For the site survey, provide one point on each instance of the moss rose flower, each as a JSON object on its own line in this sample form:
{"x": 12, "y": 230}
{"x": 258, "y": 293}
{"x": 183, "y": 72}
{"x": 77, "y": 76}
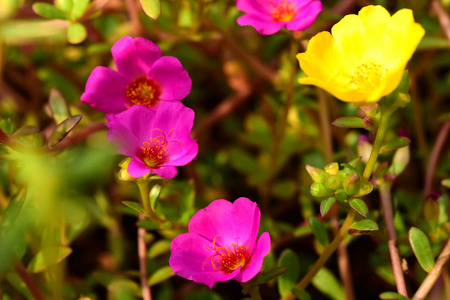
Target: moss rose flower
{"x": 157, "y": 140}
{"x": 143, "y": 77}
{"x": 221, "y": 244}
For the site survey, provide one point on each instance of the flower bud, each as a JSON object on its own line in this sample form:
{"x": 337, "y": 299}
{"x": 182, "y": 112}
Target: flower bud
{"x": 364, "y": 148}
{"x": 370, "y": 123}
{"x": 123, "y": 174}
{"x": 344, "y": 174}
{"x": 319, "y": 190}
{"x": 317, "y": 175}
{"x": 352, "y": 184}
{"x": 332, "y": 168}
{"x": 333, "y": 182}
{"x": 431, "y": 207}
{"x": 369, "y": 110}
{"x": 340, "y": 194}
{"x": 365, "y": 189}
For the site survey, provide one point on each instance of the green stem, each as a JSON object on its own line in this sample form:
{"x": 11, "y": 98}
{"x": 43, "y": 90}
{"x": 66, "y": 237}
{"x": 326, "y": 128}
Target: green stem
{"x": 145, "y": 198}
{"x": 325, "y": 255}
{"x": 254, "y": 294}
{"x": 386, "y": 113}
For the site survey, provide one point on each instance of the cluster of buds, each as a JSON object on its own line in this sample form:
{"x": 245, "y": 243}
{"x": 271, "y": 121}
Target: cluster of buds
{"x": 333, "y": 184}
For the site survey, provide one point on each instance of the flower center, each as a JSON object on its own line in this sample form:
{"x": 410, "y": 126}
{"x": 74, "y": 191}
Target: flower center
{"x": 228, "y": 258}
{"x": 283, "y": 11}
{"x": 367, "y": 75}
{"x": 143, "y": 91}
{"x": 153, "y": 151}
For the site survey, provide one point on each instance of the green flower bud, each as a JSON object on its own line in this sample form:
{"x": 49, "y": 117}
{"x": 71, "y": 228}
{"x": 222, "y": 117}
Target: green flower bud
{"x": 332, "y": 168}
{"x": 344, "y": 174}
{"x": 317, "y": 175}
{"x": 431, "y": 207}
{"x": 352, "y": 184}
{"x": 340, "y": 194}
{"x": 319, "y": 190}
{"x": 333, "y": 182}
{"x": 123, "y": 174}
{"x": 370, "y": 123}
{"x": 365, "y": 189}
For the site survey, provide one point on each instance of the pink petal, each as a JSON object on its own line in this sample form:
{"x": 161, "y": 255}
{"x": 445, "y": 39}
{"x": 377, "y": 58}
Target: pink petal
{"x": 228, "y": 223}
{"x": 105, "y": 90}
{"x": 305, "y": 17}
{"x": 135, "y": 57}
{"x": 119, "y": 135}
{"x": 254, "y": 266}
{"x": 190, "y": 259}
{"x": 263, "y": 26}
{"x": 189, "y": 152}
{"x": 137, "y": 169}
{"x": 172, "y": 77}
{"x": 138, "y": 120}
{"x": 166, "y": 172}
{"x": 252, "y": 7}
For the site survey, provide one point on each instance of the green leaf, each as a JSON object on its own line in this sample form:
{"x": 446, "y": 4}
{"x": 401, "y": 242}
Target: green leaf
{"x": 65, "y": 5}
{"x": 392, "y": 296}
{"x": 160, "y": 275}
{"x": 17, "y": 282}
{"x": 284, "y": 189}
{"x": 319, "y": 230}
{"x": 287, "y": 280}
{"x": 134, "y": 206}
{"x": 446, "y": 182}
{"x": 360, "y": 206}
{"x": 273, "y": 273}
{"x": 159, "y": 248}
{"x": 327, "y": 283}
{"x": 154, "y": 195}
{"x": 148, "y": 224}
{"x": 49, "y": 11}
{"x": 76, "y": 33}
{"x": 18, "y": 32}
{"x": 349, "y": 122}
{"x": 433, "y": 42}
{"x": 63, "y": 129}
{"x": 78, "y": 9}
{"x": 326, "y": 205}
{"x": 396, "y": 143}
{"x": 421, "y": 248}
{"x": 301, "y": 294}
{"x": 365, "y": 225}
{"x": 47, "y": 257}
{"x": 58, "y": 106}
{"x": 152, "y": 8}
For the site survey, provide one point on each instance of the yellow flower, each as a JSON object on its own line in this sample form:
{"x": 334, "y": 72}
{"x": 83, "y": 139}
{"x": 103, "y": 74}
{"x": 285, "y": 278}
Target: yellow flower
{"x": 364, "y": 57}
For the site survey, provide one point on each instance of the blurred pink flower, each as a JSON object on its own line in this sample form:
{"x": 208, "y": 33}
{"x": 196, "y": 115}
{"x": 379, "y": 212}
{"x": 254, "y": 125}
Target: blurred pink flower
{"x": 269, "y": 16}
{"x": 221, "y": 244}
{"x": 143, "y": 77}
{"x": 156, "y": 140}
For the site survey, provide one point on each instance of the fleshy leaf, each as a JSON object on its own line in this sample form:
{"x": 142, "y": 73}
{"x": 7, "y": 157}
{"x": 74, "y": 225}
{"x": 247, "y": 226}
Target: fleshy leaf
{"x": 65, "y": 5}
{"x": 49, "y": 11}
{"x": 301, "y": 294}
{"x": 349, "y": 122}
{"x": 154, "y": 195}
{"x": 134, "y": 206}
{"x": 396, "y": 143}
{"x": 152, "y": 8}
{"x": 421, "y": 248}
{"x": 47, "y": 257}
{"x": 365, "y": 225}
{"x": 160, "y": 275}
{"x": 63, "y": 129}
{"x": 58, "y": 106}
{"x": 392, "y": 296}
{"x": 326, "y": 205}
{"x": 319, "y": 230}
{"x": 78, "y": 9}
{"x": 273, "y": 273}
{"x": 76, "y": 33}
{"x": 446, "y": 182}
{"x": 327, "y": 283}
{"x": 360, "y": 206}
{"x": 286, "y": 282}
{"x": 158, "y": 248}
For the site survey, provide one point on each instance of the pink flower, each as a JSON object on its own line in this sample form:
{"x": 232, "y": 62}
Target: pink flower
{"x": 143, "y": 77}
{"x": 269, "y": 16}
{"x": 156, "y": 140}
{"x": 221, "y": 244}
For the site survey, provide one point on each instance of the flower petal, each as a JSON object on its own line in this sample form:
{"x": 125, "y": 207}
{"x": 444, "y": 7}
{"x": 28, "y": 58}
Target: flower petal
{"x": 172, "y": 77}
{"x": 135, "y": 57}
{"x": 122, "y": 139}
{"x": 137, "y": 168}
{"x": 189, "y": 152}
{"x": 252, "y": 7}
{"x": 306, "y": 15}
{"x": 105, "y": 90}
{"x": 166, "y": 172}
{"x": 254, "y": 266}
{"x": 190, "y": 259}
{"x": 262, "y": 24}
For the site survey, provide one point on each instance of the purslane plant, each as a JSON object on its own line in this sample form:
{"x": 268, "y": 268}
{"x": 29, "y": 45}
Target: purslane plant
{"x": 143, "y": 77}
{"x": 222, "y": 244}
{"x": 269, "y": 17}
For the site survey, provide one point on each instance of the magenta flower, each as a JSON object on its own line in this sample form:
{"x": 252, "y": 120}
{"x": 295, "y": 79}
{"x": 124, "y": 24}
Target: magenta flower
{"x": 156, "y": 140}
{"x": 221, "y": 244}
{"x": 269, "y": 16}
{"x": 143, "y": 77}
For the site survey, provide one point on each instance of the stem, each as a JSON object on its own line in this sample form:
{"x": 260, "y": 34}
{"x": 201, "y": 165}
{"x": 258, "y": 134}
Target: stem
{"x": 145, "y": 198}
{"x": 386, "y": 113}
{"x": 429, "y": 281}
{"x": 386, "y": 203}
{"x": 254, "y": 294}
{"x": 142, "y": 253}
{"x": 325, "y": 255}
{"x": 29, "y": 281}
{"x": 324, "y": 117}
